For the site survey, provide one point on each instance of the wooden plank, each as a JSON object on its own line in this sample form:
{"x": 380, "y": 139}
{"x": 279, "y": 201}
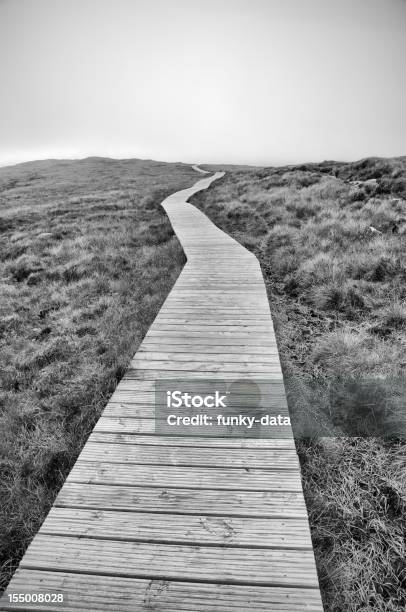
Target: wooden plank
{"x": 219, "y": 314}
{"x": 214, "y": 332}
{"x": 208, "y": 365}
{"x": 200, "y": 318}
{"x": 168, "y": 338}
{"x": 239, "y": 300}
{"x": 260, "y": 354}
{"x": 183, "y": 308}
{"x": 175, "y": 562}
{"x": 127, "y": 409}
{"x": 126, "y": 395}
{"x": 154, "y": 426}
{"x": 267, "y": 387}
{"x": 196, "y": 355}
{"x": 212, "y": 374}
{"x": 279, "y": 458}
{"x": 84, "y": 593}
{"x": 239, "y": 479}
{"x": 193, "y": 442}
{"x": 230, "y": 280}
{"x": 196, "y": 530}
{"x": 263, "y": 504}
{"x": 197, "y": 315}
{"x": 218, "y": 284}
{"x": 165, "y": 355}
{"x": 247, "y": 280}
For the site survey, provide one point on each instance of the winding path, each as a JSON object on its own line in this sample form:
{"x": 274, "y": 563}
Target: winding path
{"x": 184, "y": 522}
{"x": 196, "y": 167}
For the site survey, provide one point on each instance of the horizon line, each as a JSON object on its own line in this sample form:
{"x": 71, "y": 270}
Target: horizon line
{"x": 78, "y": 157}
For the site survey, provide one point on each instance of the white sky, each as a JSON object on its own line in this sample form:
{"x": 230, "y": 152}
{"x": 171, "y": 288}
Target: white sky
{"x": 238, "y": 81}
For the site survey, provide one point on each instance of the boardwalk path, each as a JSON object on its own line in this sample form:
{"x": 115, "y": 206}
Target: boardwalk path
{"x": 182, "y": 523}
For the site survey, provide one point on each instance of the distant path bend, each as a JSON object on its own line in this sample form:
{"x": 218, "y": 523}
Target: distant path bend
{"x": 196, "y": 167}
{"x": 183, "y": 521}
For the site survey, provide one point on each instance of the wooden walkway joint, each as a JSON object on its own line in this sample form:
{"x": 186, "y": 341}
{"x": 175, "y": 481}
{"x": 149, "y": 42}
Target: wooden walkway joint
{"x": 175, "y": 523}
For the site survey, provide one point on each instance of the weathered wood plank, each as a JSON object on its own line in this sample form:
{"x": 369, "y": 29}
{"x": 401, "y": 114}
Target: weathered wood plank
{"x": 263, "y": 504}
{"x": 211, "y": 457}
{"x": 154, "y": 426}
{"x": 126, "y": 397}
{"x": 208, "y": 365}
{"x": 215, "y": 332}
{"x": 268, "y": 387}
{"x": 123, "y": 405}
{"x": 215, "y": 373}
{"x": 238, "y": 479}
{"x": 182, "y": 308}
{"x": 106, "y": 593}
{"x": 172, "y": 562}
{"x": 265, "y": 387}
{"x": 156, "y": 440}
{"x": 207, "y": 374}
{"x": 261, "y": 354}
{"x": 195, "y": 355}
{"x": 178, "y": 529}
{"x": 165, "y": 339}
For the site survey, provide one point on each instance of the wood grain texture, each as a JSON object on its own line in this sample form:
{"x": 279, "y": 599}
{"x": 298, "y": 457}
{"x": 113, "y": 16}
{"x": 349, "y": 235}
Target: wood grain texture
{"x": 114, "y": 593}
{"x": 206, "y": 442}
{"x": 260, "y": 504}
{"x": 219, "y": 565}
{"x": 199, "y": 529}
{"x": 281, "y": 459}
{"x": 171, "y": 476}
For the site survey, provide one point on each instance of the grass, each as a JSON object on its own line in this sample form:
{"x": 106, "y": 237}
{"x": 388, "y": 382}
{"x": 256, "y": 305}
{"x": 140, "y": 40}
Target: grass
{"x": 87, "y": 258}
{"x": 331, "y": 238}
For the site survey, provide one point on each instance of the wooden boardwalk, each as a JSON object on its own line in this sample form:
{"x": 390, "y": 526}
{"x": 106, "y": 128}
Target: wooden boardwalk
{"x": 193, "y": 523}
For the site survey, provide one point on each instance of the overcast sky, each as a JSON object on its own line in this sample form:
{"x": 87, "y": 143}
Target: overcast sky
{"x": 240, "y": 81}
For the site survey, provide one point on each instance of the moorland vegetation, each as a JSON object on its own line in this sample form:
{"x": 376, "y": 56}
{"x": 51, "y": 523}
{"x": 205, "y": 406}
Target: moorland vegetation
{"x": 87, "y": 256}
{"x": 331, "y": 240}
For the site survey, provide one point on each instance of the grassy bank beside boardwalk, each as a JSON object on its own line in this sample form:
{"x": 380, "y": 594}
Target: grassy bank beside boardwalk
{"x": 87, "y": 258}
{"x": 331, "y": 239}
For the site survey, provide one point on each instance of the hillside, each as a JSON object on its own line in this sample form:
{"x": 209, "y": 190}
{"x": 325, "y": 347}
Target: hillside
{"x": 87, "y": 258}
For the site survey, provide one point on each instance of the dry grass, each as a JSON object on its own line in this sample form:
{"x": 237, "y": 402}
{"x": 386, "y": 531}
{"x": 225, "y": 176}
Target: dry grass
{"x": 331, "y": 239}
{"x": 87, "y": 258}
